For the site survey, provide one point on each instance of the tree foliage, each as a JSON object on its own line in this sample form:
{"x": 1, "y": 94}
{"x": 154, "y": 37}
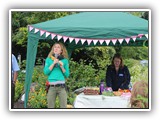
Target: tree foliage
{"x": 138, "y": 53}
{"x": 20, "y": 20}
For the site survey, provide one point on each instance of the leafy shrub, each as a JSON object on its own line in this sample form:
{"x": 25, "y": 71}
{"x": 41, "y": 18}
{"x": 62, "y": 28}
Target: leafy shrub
{"x": 138, "y": 53}
{"x": 21, "y": 76}
{"x": 81, "y": 75}
{"x": 19, "y": 89}
{"x": 137, "y": 71}
{"x": 37, "y": 99}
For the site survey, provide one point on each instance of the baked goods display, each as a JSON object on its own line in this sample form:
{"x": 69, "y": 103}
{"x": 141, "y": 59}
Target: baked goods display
{"x": 116, "y": 93}
{"x": 91, "y": 91}
{"x": 120, "y": 92}
{"x": 96, "y": 91}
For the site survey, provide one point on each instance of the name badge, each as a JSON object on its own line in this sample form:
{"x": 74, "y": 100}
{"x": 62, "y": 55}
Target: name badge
{"x": 120, "y": 74}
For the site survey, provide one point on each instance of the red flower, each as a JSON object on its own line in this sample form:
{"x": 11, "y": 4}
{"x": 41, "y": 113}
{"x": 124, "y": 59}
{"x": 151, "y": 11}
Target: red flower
{"x": 47, "y": 83}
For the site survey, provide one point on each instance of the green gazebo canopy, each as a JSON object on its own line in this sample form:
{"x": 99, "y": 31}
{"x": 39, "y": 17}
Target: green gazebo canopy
{"x": 86, "y": 29}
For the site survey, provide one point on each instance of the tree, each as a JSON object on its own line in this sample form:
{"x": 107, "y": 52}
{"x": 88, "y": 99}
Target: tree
{"x": 20, "y": 20}
{"x": 145, "y": 15}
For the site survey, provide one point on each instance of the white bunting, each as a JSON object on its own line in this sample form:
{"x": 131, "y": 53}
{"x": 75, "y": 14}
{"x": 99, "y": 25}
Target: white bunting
{"x": 65, "y": 38}
{"x": 107, "y": 41}
{"x": 95, "y": 42}
{"x": 42, "y": 32}
{"x": 101, "y": 41}
{"x": 89, "y": 41}
{"x": 127, "y": 40}
{"x": 83, "y": 40}
{"x": 76, "y": 40}
{"x": 114, "y": 41}
{"x": 134, "y": 38}
{"x": 146, "y": 36}
{"x": 36, "y": 30}
{"x": 30, "y": 28}
{"x": 47, "y": 34}
{"x": 70, "y": 39}
{"x": 59, "y": 37}
{"x": 53, "y": 35}
{"x": 120, "y": 40}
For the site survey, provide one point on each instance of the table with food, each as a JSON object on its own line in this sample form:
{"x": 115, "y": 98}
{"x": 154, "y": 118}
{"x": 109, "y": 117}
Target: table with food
{"x": 93, "y": 97}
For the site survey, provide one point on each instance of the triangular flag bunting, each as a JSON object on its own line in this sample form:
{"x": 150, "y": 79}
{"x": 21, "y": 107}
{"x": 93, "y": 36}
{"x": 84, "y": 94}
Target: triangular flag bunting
{"x": 30, "y": 28}
{"x": 101, "y": 41}
{"x": 53, "y": 35}
{"x": 89, "y": 41}
{"x": 140, "y": 35}
{"x": 47, "y": 34}
{"x": 107, "y": 42}
{"x": 36, "y": 30}
{"x": 95, "y": 42}
{"x": 42, "y": 32}
{"x": 59, "y": 37}
{"x": 65, "y": 38}
{"x": 134, "y": 38}
{"x": 127, "y": 40}
{"x": 120, "y": 40}
{"x": 76, "y": 40}
{"x": 114, "y": 41}
{"x": 70, "y": 39}
{"x": 146, "y": 36}
{"x": 83, "y": 40}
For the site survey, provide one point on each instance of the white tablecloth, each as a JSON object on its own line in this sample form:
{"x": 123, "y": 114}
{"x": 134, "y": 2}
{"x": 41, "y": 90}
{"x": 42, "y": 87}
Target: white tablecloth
{"x": 100, "y": 101}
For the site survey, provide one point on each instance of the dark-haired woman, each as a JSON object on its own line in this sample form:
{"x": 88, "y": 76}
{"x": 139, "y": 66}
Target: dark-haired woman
{"x": 117, "y": 75}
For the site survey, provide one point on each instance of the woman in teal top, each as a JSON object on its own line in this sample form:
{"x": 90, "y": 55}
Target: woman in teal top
{"x": 57, "y": 70}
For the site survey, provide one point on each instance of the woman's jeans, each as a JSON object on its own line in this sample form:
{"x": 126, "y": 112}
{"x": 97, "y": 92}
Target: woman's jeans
{"x": 53, "y": 93}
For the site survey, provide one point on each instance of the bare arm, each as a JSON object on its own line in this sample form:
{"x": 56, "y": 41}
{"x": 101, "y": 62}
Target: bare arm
{"x": 15, "y": 75}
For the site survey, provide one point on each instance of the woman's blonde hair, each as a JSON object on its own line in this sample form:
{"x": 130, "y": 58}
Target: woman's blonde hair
{"x": 63, "y": 48}
{"x": 139, "y": 95}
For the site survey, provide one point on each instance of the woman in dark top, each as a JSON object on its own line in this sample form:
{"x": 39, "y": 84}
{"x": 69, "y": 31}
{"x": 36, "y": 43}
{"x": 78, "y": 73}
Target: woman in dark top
{"x": 117, "y": 75}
